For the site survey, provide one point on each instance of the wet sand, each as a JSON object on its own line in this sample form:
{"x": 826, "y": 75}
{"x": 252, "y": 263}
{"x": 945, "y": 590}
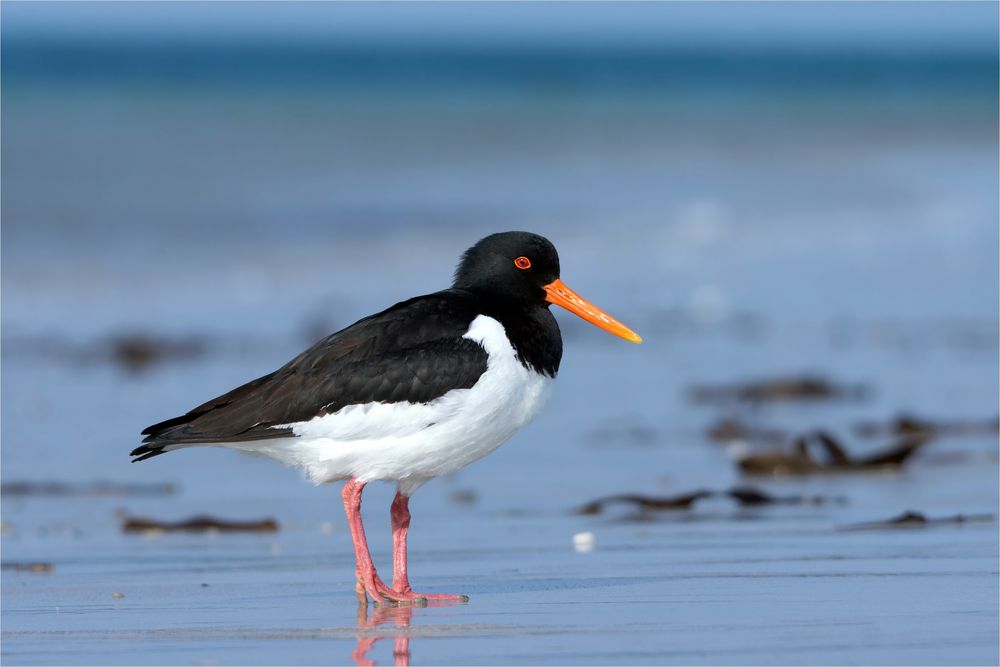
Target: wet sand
{"x": 715, "y": 584}
{"x": 737, "y": 589}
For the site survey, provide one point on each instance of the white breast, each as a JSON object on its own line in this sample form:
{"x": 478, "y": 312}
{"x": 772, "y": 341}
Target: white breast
{"x": 413, "y": 442}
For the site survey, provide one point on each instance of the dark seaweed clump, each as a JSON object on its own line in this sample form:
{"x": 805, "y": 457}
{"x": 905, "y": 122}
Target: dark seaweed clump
{"x": 744, "y": 496}
{"x": 198, "y": 524}
{"x": 801, "y": 461}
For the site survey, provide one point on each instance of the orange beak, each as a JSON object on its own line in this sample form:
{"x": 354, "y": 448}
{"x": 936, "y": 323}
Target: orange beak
{"x": 558, "y": 293}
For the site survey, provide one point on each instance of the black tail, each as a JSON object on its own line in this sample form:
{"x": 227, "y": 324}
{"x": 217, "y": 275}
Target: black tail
{"x": 144, "y": 452}
{"x": 191, "y": 428}
{"x": 159, "y": 436}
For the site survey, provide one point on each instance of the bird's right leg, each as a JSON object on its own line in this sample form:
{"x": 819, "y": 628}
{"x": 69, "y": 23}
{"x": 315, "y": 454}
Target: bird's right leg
{"x": 368, "y": 579}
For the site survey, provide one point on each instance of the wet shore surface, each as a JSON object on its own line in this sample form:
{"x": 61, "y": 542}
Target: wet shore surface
{"x": 714, "y": 583}
{"x": 654, "y": 594}
{"x": 741, "y": 588}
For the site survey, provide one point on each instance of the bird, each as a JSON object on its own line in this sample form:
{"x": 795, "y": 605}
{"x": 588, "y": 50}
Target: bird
{"x": 408, "y": 394}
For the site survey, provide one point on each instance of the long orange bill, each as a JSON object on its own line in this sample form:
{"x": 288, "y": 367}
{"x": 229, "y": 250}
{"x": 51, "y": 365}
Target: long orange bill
{"x": 558, "y": 293}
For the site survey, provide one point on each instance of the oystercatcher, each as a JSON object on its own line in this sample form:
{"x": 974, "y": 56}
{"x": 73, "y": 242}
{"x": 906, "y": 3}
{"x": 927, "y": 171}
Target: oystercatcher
{"x": 417, "y": 391}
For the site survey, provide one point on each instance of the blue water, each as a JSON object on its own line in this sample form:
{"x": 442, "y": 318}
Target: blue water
{"x": 749, "y": 214}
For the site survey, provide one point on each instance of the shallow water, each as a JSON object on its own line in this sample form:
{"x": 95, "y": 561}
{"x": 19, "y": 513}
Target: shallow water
{"x": 759, "y": 235}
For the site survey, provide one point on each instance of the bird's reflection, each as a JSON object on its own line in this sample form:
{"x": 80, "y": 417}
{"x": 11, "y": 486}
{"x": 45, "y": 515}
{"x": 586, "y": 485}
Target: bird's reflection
{"x": 369, "y": 630}
{"x": 369, "y": 633}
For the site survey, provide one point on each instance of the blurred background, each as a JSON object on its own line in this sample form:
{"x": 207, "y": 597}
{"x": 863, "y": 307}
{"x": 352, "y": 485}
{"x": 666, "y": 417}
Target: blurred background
{"x": 194, "y": 192}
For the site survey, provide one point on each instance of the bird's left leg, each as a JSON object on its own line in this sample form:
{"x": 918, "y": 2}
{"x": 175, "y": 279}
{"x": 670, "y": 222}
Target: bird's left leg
{"x": 400, "y": 514}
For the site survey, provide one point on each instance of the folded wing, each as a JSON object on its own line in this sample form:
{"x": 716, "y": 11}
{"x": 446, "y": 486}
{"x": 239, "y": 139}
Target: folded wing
{"x": 414, "y": 351}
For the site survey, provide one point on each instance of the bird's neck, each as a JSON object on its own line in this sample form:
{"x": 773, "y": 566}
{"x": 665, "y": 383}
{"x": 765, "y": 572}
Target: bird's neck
{"x": 533, "y": 332}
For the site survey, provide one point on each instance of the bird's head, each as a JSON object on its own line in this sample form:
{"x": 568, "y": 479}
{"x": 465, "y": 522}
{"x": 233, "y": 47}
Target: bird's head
{"x": 523, "y": 267}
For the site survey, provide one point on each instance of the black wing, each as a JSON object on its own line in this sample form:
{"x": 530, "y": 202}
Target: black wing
{"x": 414, "y": 351}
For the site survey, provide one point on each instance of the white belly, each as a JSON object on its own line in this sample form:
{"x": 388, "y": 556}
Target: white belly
{"x": 413, "y": 442}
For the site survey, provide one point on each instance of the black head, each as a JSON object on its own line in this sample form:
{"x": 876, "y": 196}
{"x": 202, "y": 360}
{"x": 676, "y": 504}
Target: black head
{"x": 509, "y": 266}
{"x": 518, "y": 273}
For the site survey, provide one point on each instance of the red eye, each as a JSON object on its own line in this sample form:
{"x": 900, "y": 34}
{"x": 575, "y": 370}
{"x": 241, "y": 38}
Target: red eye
{"x": 522, "y": 263}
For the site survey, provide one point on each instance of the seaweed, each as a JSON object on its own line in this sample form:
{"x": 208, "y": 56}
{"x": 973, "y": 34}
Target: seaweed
{"x": 792, "y": 388}
{"x": 907, "y": 424}
{"x": 911, "y": 519}
{"x": 37, "y": 567}
{"x": 800, "y": 461}
{"x": 24, "y": 488}
{"x": 744, "y": 496}
{"x": 198, "y": 524}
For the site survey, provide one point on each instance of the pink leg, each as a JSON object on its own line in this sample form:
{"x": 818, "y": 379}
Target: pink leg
{"x": 400, "y": 514}
{"x": 369, "y": 583}
{"x": 365, "y": 569}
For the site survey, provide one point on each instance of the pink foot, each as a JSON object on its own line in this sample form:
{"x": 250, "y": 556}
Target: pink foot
{"x": 409, "y": 597}
{"x": 444, "y": 597}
